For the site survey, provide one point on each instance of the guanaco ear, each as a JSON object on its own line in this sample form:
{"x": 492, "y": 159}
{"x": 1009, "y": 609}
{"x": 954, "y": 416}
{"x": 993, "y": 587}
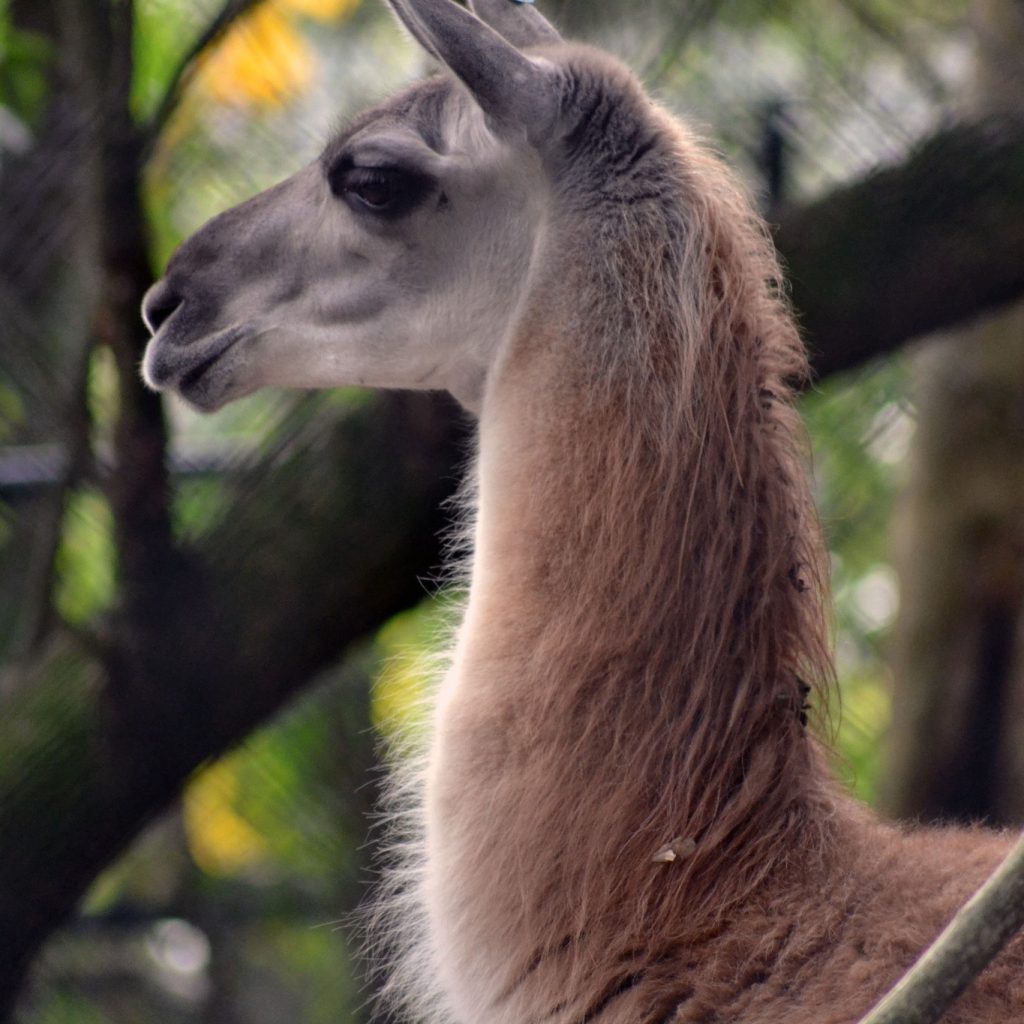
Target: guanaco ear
{"x": 408, "y": 19}
{"x": 517, "y": 20}
{"x": 513, "y": 90}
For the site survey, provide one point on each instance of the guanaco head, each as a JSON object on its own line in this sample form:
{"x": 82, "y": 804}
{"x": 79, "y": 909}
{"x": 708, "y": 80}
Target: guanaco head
{"x": 397, "y": 259}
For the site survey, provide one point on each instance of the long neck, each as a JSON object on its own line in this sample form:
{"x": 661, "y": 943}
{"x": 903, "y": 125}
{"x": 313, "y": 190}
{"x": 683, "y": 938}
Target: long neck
{"x": 645, "y": 594}
{"x": 621, "y": 758}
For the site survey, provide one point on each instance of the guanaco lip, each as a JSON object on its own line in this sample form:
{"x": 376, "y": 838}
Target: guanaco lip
{"x": 172, "y": 364}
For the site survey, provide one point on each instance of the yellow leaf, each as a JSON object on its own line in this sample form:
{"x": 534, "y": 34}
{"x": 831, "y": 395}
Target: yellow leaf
{"x": 321, "y": 10}
{"x": 406, "y": 645}
{"x": 262, "y": 60}
{"x": 220, "y": 840}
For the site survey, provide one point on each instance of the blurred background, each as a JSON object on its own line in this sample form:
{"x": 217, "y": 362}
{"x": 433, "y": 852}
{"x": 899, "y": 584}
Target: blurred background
{"x": 207, "y": 625}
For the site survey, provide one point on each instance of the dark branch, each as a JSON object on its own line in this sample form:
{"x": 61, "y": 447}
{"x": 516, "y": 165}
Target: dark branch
{"x": 37, "y": 612}
{"x": 911, "y": 249}
{"x": 319, "y": 549}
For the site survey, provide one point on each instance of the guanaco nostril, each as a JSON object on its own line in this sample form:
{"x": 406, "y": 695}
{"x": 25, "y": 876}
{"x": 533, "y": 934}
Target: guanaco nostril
{"x": 160, "y": 302}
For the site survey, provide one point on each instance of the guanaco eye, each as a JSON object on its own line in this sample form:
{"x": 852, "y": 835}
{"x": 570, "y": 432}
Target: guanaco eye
{"x": 389, "y": 191}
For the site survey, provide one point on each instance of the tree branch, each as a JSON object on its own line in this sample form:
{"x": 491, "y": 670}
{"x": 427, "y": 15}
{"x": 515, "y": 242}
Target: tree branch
{"x": 972, "y": 939}
{"x": 911, "y": 249}
{"x": 37, "y": 611}
{"x": 320, "y": 548}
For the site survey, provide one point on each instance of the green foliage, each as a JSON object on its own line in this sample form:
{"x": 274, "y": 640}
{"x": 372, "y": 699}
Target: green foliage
{"x": 858, "y": 449}
{"x": 266, "y": 810}
{"x": 85, "y": 558}
{"x": 149, "y": 875}
{"x": 26, "y": 59}
{"x": 861, "y": 427}
{"x": 102, "y": 394}
{"x": 313, "y": 965}
{"x": 48, "y": 741}
{"x": 199, "y": 505}
{"x": 12, "y": 412}
{"x": 56, "y": 1007}
{"x": 257, "y": 860}
{"x": 164, "y": 31}
{"x": 408, "y": 649}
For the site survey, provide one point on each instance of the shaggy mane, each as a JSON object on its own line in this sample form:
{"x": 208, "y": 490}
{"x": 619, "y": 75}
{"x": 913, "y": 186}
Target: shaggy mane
{"x": 684, "y": 658}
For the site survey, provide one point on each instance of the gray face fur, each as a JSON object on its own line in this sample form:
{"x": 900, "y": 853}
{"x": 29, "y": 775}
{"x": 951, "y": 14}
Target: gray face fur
{"x": 399, "y": 258}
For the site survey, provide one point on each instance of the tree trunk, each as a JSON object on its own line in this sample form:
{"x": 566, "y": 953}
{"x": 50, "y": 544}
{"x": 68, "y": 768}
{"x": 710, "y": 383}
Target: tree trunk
{"x": 49, "y": 284}
{"x": 957, "y": 742}
{"x": 958, "y": 656}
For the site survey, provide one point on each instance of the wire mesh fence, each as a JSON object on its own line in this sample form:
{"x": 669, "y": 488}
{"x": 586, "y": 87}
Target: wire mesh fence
{"x": 234, "y": 904}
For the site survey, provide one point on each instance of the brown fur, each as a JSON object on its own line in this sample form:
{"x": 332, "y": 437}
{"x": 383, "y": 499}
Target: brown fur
{"x": 648, "y": 594}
